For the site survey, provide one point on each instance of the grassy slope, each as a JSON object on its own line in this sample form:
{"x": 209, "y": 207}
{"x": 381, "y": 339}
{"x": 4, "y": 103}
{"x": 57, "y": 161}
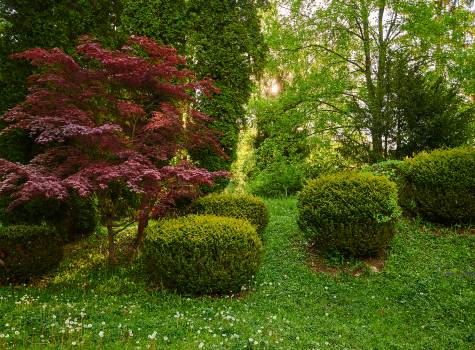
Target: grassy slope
{"x": 424, "y": 299}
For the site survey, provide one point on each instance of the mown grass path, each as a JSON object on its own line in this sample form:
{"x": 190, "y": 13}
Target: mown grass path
{"x": 424, "y": 299}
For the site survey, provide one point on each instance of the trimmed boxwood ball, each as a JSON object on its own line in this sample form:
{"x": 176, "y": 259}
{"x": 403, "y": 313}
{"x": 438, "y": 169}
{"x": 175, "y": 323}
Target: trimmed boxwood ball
{"x": 239, "y": 206}
{"x": 202, "y": 254}
{"x": 27, "y": 252}
{"x": 440, "y": 185}
{"x": 353, "y": 213}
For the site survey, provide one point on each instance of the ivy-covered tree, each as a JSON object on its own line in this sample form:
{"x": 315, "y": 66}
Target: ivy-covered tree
{"x": 47, "y": 24}
{"x": 225, "y": 43}
{"x": 112, "y": 124}
{"x": 163, "y": 20}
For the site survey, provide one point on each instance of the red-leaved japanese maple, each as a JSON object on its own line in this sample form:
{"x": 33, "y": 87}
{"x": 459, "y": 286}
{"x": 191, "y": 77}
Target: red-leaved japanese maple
{"x": 109, "y": 120}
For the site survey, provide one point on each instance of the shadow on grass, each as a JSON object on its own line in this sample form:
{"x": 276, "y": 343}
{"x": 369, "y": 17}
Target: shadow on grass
{"x": 85, "y": 267}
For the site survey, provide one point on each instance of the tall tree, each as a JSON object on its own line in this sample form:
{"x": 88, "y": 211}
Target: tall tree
{"x": 225, "y": 43}
{"x": 48, "y": 24}
{"x": 352, "y": 41}
{"x": 428, "y": 110}
{"x": 163, "y": 20}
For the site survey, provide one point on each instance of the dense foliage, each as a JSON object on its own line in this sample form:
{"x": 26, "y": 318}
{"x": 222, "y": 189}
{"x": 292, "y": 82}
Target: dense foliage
{"x": 280, "y": 178}
{"x": 239, "y": 206}
{"x": 350, "y": 212}
{"x": 47, "y": 24}
{"x": 27, "y": 252}
{"x": 74, "y": 218}
{"x": 222, "y": 37}
{"x": 380, "y": 79}
{"x": 389, "y": 168}
{"x": 202, "y": 254}
{"x": 111, "y": 124}
{"x": 440, "y": 185}
{"x": 225, "y": 41}
{"x": 428, "y": 111}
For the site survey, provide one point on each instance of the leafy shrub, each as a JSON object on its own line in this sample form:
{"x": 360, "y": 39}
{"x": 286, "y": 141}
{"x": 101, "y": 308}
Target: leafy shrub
{"x": 440, "y": 185}
{"x": 75, "y": 218}
{"x": 323, "y": 161}
{"x": 27, "y": 252}
{"x": 387, "y": 168}
{"x": 200, "y": 254}
{"x": 239, "y": 206}
{"x": 349, "y": 212}
{"x": 279, "y": 179}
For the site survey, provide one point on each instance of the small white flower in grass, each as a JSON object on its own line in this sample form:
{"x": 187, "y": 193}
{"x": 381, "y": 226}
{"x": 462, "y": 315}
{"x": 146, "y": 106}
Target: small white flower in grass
{"x": 101, "y": 334}
{"x": 201, "y": 345}
{"x": 103, "y": 323}
{"x": 165, "y": 338}
{"x": 17, "y": 333}
{"x": 73, "y": 343}
{"x": 152, "y": 336}
{"x": 131, "y": 333}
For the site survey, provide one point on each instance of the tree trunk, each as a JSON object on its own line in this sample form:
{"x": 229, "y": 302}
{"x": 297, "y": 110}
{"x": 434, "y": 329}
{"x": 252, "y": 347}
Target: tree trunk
{"x": 111, "y": 239}
{"x": 142, "y": 225}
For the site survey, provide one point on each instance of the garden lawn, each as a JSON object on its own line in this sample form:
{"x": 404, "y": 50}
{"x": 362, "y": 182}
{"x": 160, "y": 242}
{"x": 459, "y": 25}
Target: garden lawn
{"x": 423, "y": 299}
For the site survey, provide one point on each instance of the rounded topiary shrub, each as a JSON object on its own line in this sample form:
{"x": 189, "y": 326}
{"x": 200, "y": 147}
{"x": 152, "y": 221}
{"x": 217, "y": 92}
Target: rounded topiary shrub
{"x": 239, "y": 206}
{"x": 353, "y": 213}
{"x": 27, "y": 252}
{"x": 202, "y": 254}
{"x": 440, "y": 185}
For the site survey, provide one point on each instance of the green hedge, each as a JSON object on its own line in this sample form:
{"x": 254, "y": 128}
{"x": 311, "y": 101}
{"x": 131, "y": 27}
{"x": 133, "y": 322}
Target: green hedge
{"x": 202, "y": 254}
{"x": 27, "y": 252}
{"x": 350, "y": 212}
{"x": 440, "y": 185}
{"x": 75, "y": 218}
{"x": 239, "y": 206}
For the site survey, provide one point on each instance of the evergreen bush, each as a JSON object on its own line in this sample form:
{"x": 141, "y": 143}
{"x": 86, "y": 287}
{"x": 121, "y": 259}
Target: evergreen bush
{"x": 440, "y": 185}
{"x": 239, "y": 206}
{"x": 27, "y": 252}
{"x": 202, "y": 254}
{"x": 353, "y": 213}
{"x": 74, "y": 218}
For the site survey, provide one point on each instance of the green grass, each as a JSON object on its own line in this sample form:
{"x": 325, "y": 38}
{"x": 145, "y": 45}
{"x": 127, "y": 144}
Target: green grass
{"x": 423, "y": 299}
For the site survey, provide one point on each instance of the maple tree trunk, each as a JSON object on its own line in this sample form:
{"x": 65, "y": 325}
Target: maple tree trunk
{"x": 110, "y": 238}
{"x": 143, "y": 223}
